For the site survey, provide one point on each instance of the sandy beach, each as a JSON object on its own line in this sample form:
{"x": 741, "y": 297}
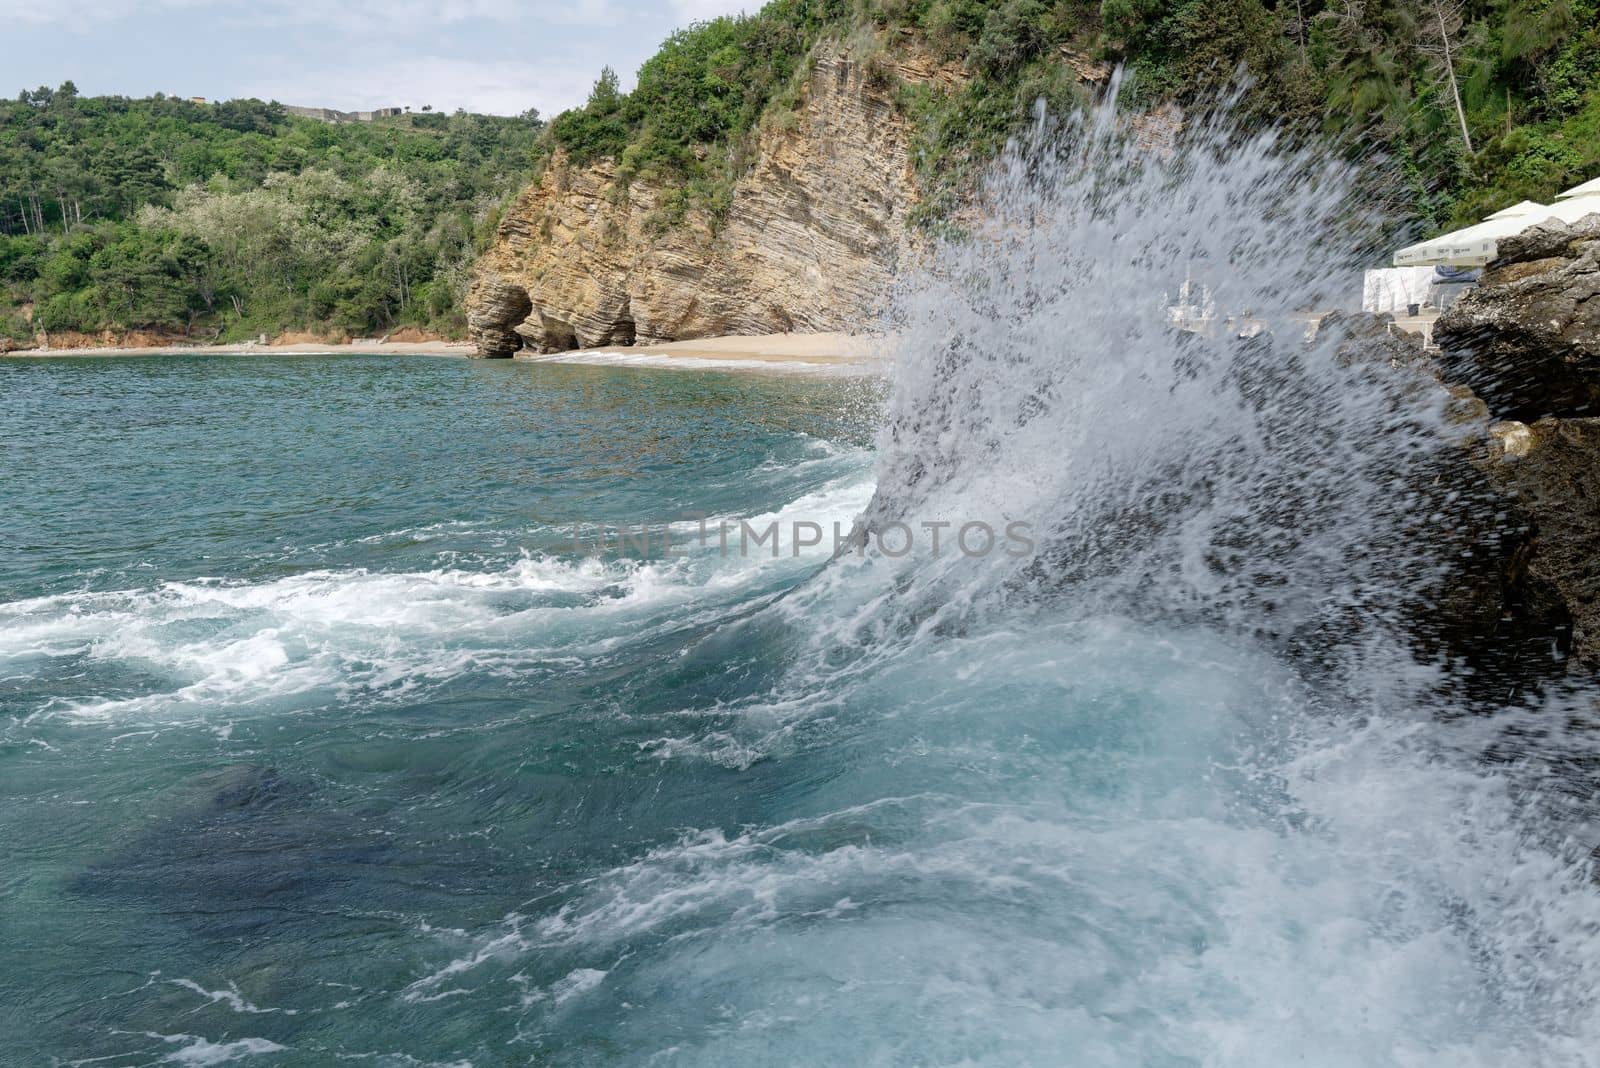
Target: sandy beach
{"x": 836, "y": 352}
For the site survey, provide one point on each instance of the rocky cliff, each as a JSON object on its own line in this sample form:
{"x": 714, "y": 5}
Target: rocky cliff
{"x": 809, "y": 243}
{"x": 1527, "y": 343}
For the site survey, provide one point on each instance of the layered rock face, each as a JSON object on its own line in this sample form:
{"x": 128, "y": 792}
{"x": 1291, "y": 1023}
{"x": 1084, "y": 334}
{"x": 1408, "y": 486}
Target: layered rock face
{"x": 1527, "y": 342}
{"x": 809, "y": 243}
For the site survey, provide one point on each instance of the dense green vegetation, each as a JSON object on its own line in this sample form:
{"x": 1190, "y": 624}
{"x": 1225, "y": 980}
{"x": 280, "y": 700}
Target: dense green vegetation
{"x": 232, "y": 219}
{"x": 698, "y": 99}
{"x": 1377, "y": 74}
{"x": 1484, "y": 102}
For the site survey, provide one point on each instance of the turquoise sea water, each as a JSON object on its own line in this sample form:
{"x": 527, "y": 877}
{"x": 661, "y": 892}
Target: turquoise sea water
{"x": 321, "y": 742}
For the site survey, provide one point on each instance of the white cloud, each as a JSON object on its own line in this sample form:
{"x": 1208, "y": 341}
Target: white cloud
{"x": 687, "y": 11}
{"x": 370, "y": 16}
{"x": 83, "y": 16}
{"x": 409, "y": 16}
{"x": 499, "y": 56}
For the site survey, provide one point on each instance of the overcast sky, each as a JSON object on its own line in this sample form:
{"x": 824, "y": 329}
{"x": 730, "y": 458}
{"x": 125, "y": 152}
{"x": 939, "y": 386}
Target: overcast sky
{"x": 497, "y": 56}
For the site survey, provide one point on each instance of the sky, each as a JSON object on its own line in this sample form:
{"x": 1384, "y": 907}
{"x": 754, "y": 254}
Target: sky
{"x": 495, "y": 56}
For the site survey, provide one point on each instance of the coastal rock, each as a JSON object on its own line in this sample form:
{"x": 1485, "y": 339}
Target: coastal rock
{"x": 1514, "y": 524}
{"x": 1486, "y": 613}
{"x": 1523, "y": 606}
{"x": 1551, "y": 470}
{"x": 1527, "y": 340}
{"x": 1527, "y": 344}
{"x": 808, "y": 243}
{"x": 495, "y": 306}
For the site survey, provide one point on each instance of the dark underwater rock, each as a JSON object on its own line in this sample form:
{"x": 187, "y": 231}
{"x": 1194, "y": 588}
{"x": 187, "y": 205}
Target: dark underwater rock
{"x": 236, "y": 786}
{"x": 240, "y": 848}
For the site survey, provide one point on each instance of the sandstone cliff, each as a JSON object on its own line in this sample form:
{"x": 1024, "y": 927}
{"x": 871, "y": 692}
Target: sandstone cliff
{"x": 810, "y": 242}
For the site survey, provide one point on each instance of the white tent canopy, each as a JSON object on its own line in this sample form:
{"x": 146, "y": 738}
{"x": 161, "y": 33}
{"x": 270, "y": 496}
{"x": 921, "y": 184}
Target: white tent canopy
{"x": 1590, "y": 188}
{"x": 1527, "y": 207}
{"x": 1474, "y": 246}
{"x": 1570, "y": 210}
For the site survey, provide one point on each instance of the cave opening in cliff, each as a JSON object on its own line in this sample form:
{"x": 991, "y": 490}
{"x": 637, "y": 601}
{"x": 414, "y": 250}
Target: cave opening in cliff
{"x": 558, "y": 336}
{"x": 623, "y": 330}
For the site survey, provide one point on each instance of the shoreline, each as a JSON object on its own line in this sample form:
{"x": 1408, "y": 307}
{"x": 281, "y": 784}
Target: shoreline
{"x": 299, "y": 348}
{"x": 771, "y": 352}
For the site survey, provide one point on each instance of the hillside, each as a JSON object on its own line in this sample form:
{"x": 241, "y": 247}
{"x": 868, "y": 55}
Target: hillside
{"x": 169, "y": 219}
{"x": 736, "y": 187}
{"x": 683, "y": 196}
{"x": 1384, "y": 73}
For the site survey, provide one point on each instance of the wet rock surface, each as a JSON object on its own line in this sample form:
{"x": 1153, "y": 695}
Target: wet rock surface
{"x": 1551, "y": 471}
{"x": 1527, "y": 340}
{"x": 1526, "y": 343}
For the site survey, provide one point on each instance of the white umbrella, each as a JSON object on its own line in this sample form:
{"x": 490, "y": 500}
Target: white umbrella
{"x": 1474, "y": 246}
{"x": 1590, "y": 188}
{"x": 1438, "y": 249}
{"x": 1477, "y": 245}
{"x": 1459, "y": 247}
{"x": 1562, "y": 212}
{"x": 1527, "y": 207}
{"x": 1413, "y": 255}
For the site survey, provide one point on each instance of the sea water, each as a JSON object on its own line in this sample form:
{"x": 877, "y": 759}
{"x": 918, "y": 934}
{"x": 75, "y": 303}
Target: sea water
{"x": 330, "y": 733}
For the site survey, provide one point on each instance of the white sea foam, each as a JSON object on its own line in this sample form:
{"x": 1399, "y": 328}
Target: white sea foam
{"x": 230, "y": 997}
{"x": 359, "y": 634}
{"x": 204, "y": 1052}
{"x": 1143, "y": 856}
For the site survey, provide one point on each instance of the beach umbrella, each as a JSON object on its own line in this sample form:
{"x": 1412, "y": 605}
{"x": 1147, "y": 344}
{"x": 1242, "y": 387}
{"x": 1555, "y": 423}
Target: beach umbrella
{"x": 1438, "y": 249}
{"x": 1569, "y": 210}
{"x": 1527, "y": 207}
{"x": 1413, "y": 255}
{"x": 1590, "y": 188}
{"x": 1476, "y": 245}
{"x": 1442, "y": 249}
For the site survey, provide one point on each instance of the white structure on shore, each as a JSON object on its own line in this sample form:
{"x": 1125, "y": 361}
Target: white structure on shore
{"x": 1475, "y": 246}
